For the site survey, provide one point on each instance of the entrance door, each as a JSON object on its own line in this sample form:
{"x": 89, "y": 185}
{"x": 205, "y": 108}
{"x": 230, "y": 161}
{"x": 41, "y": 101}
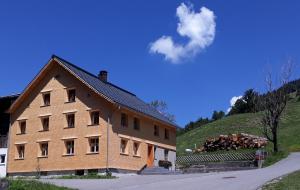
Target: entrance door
{"x": 150, "y": 156}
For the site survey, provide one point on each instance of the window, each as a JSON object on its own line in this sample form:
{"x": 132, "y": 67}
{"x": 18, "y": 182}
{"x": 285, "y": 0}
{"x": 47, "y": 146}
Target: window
{"x": 44, "y": 149}
{"x": 22, "y": 125}
{"x": 21, "y": 151}
{"x": 71, "y": 95}
{"x": 94, "y": 145}
{"x": 167, "y": 134}
{"x": 71, "y": 120}
{"x": 136, "y": 147}
{"x": 156, "y": 130}
{"x": 46, "y": 99}
{"x": 124, "y": 120}
{"x": 69, "y": 147}
{"x": 136, "y": 123}
{"x": 2, "y": 159}
{"x": 166, "y": 153}
{"x": 45, "y": 123}
{"x": 95, "y": 118}
{"x": 123, "y": 146}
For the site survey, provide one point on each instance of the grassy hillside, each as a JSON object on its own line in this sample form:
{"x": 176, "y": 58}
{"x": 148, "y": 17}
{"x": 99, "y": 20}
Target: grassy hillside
{"x": 289, "y": 133}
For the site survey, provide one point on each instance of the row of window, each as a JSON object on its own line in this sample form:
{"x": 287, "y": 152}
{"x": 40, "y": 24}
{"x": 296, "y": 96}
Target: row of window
{"x": 69, "y": 148}
{"x": 71, "y": 97}
{"x": 94, "y": 116}
{"x": 70, "y": 118}
{"x": 136, "y": 126}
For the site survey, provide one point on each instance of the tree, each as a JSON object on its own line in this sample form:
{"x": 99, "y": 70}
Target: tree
{"x": 246, "y": 104}
{"x": 250, "y": 97}
{"x": 217, "y": 115}
{"x": 240, "y": 106}
{"x": 273, "y": 104}
{"x": 162, "y": 107}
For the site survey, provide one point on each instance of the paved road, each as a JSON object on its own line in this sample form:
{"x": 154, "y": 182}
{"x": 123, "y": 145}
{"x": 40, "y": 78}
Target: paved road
{"x": 236, "y": 180}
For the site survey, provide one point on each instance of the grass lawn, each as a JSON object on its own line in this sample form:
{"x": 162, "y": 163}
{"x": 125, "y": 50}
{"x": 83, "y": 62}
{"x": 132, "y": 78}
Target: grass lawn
{"x": 289, "y": 182}
{"x": 289, "y": 140}
{"x": 18, "y": 184}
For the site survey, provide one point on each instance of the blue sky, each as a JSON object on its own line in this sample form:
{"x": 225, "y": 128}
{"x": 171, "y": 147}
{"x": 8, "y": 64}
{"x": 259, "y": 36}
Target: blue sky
{"x": 249, "y": 38}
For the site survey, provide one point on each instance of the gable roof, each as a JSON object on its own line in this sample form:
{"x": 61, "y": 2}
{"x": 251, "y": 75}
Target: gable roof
{"x": 112, "y": 92}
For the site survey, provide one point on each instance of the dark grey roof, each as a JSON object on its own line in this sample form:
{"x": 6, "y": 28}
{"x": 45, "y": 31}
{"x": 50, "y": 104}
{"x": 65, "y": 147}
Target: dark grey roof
{"x": 115, "y": 93}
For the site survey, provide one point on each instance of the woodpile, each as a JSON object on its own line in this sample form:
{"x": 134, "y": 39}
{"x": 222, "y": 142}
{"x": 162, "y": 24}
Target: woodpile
{"x": 233, "y": 142}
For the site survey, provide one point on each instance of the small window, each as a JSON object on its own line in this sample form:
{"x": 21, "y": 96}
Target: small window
{"x": 2, "y": 159}
{"x": 22, "y": 126}
{"x": 44, "y": 149}
{"x": 124, "y": 120}
{"x": 45, "y": 123}
{"x": 167, "y": 134}
{"x": 71, "y": 120}
{"x": 94, "y": 145}
{"x": 166, "y": 153}
{"x": 95, "y": 118}
{"x": 156, "y": 130}
{"x": 21, "y": 151}
{"x": 71, "y": 95}
{"x": 136, "y": 147}
{"x": 136, "y": 124}
{"x": 46, "y": 99}
{"x": 123, "y": 146}
{"x": 69, "y": 147}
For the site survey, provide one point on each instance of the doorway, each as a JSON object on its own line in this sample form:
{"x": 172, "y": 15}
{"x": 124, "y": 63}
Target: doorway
{"x": 150, "y": 159}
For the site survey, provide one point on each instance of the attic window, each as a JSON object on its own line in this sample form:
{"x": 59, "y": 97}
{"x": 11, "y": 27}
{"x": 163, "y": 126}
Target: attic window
{"x": 71, "y": 95}
{"x": 124, "y": 120}
{"x": 136, "y": 123}
{"x": 95, "y": 117}
{"x": 46, "y": 99}
{"x": 22, "y": 126}
{"x": 45, "y": 123}
{"x": 70, "y": 120}
{"x": 156, "y": 130}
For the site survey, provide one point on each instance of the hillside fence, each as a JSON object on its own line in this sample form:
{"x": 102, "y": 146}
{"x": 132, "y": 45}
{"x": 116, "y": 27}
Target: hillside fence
{"x": 223, "y": 157}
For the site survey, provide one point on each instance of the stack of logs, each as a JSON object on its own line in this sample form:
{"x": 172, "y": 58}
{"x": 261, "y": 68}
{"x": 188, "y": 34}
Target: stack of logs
{"x": 233, "y": 142}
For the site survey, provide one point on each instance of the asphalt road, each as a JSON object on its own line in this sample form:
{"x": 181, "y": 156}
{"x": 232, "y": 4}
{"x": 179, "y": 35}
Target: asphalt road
{"x": 236, "y": 180}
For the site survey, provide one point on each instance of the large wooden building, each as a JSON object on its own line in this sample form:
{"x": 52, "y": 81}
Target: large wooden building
{"x": 68, "y": 120}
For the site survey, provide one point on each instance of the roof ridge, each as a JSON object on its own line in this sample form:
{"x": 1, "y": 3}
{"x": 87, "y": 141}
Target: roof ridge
{"x": 83, "y": 70}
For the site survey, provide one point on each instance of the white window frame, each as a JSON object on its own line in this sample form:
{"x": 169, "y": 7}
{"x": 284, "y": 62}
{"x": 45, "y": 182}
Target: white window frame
{"x": 72, "y": 149}
{"x": 92, "y": 116}
{"x": 124, "y": 150}
{"x": 68, "y": 95}
{"x": 20, "y": 127}
{"x": 137, "y": 151}
{"x": 42, "y": 150}
{"x": 67, "y": 118}
{"x": 44, "y": 103}
{"x": 93, "y": 146}
{"x": 20, "y": 155}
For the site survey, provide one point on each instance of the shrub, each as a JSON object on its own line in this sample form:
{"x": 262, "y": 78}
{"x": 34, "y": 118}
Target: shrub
{"x": 164, "y": 163}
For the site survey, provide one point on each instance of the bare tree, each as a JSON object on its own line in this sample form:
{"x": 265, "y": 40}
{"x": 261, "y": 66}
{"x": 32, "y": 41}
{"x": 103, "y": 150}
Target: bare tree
{"x": 274, "y": 103}
{"x": 162, "y": 107}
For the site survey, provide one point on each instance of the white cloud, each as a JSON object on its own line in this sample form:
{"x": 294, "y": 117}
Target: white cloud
{"x": 233, "y": 101}
{"x": 199, "y": 28}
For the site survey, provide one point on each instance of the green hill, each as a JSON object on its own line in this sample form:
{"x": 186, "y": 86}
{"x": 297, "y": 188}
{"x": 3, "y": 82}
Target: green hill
{"x": 289, "y": 132}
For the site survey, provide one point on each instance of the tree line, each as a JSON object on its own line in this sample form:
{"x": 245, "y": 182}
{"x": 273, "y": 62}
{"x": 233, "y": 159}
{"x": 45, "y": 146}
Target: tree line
{"x": 251, "y": 102}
